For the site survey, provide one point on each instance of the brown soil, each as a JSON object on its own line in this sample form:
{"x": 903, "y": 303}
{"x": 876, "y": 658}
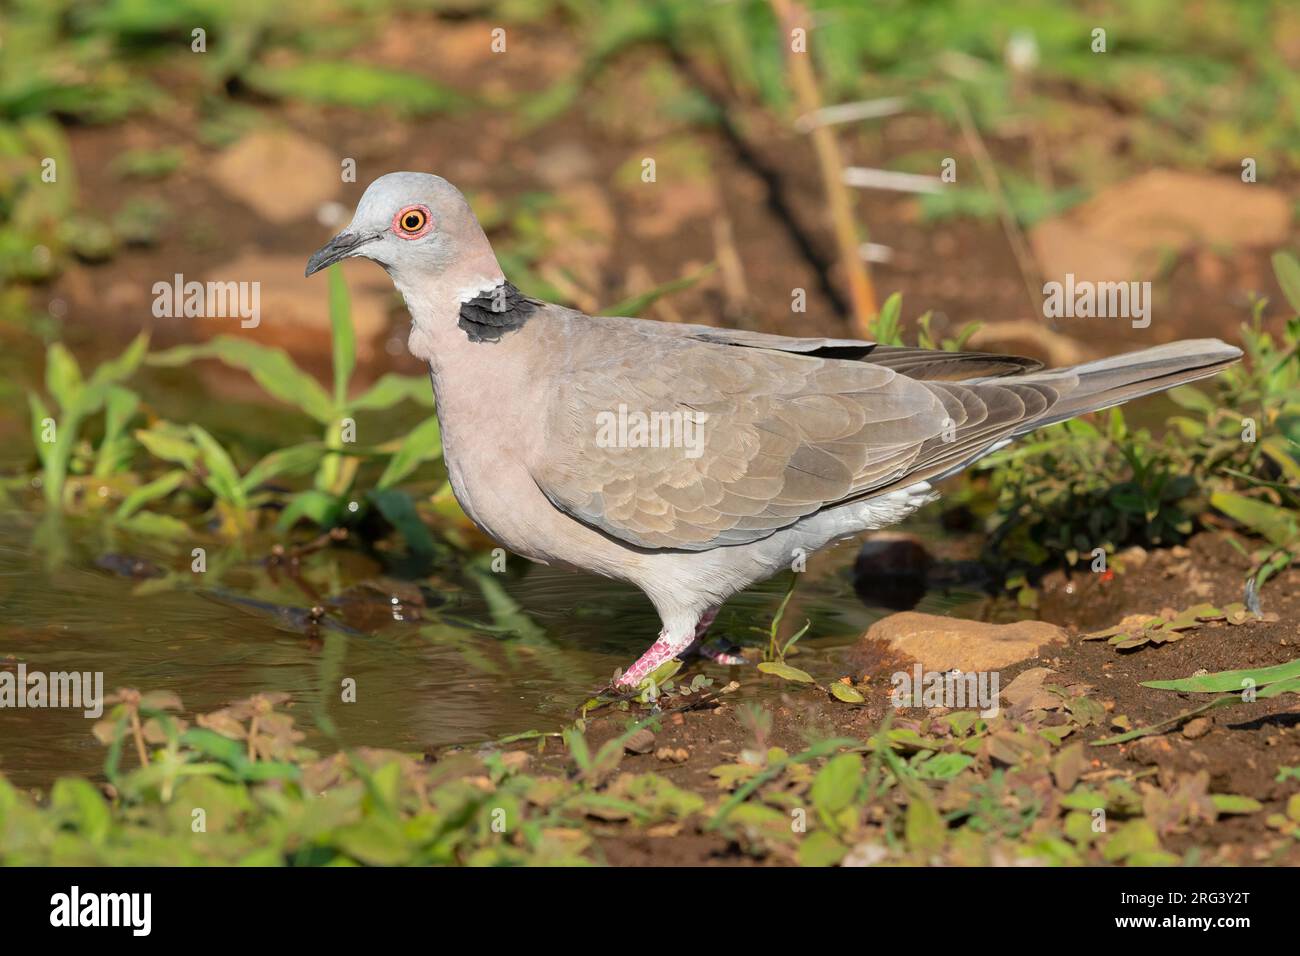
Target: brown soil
{"x": 760, "y": 188}
{"x": 1241, "y": 752}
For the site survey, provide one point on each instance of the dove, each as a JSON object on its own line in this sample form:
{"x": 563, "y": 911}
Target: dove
{"x": 686, "y": 460}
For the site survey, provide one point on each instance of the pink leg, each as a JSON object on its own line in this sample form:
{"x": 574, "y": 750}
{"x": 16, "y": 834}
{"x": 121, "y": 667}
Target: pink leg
{"x": 721, "y": 655}
{"x": 668, "y": 646}
{"x": 719, "y": 652}
{"x": 706, "y": 622}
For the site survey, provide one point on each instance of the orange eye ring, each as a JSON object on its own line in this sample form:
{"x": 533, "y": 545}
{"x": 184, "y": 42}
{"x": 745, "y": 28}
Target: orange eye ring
{"x": 412, "y": 222}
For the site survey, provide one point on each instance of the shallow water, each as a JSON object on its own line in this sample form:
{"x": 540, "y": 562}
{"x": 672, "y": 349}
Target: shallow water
{"x": 485, "y": 656}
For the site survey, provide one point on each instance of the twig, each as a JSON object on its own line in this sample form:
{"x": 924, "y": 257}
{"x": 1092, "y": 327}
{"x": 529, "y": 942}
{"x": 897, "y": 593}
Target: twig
{"x": 864, "y": 177}
{"x": 850, "y": 113}
{"x": 862, "y": 293}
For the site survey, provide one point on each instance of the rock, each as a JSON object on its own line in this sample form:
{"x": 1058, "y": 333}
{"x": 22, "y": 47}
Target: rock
{"x": 279, "y": 174}
{"x": 641, "y": 742}
{"x": 1027, "y": 693}
{"x": 294, "y": 312}
{"x": 945, "y": 643}
{"x": 673, "y": 754}
{"x": 892, "y": 570}
{"x": 1195, "y": 729}
{"x": 1124, "y": 232}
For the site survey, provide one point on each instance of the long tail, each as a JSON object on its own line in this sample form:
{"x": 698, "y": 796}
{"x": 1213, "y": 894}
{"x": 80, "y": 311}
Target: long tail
{"x": 1121, "y": 378}
{"x": 1000, "y": 409}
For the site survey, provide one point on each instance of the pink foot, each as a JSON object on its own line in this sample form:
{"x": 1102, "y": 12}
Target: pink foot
{"x": 660, "y": 651}
{"x": 720, "y": 653}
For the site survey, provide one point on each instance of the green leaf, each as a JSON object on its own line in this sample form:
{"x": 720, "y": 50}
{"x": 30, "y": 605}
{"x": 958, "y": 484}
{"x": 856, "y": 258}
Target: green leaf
{"x": 123, "y": 367}
{"x": 63, "y": 376}
{"x": 318, "y": 507}
{"x": 392, "y": 389}
{"x": 155, "y": 525}
{"x": 835, "y": 785}
{"x": 170, "y": 443}
{"x": 39, "y": 415}
{"x": 820, "y": 848}
{"x": 77, "y": 801}
{"x": 1135, "y": 836}
{"x": 846, "y": 693}
{"x": 377, "y": 841}
{"x": 114, "y": 450}
{"x": 1277, "y": 525}
{"x": 222, "y": 475}
{"x": 1287, "y": 271}
{"x": 271, "y": 368}
{"x": 399, "y": 511}
{"x": 211, "y": 744}
{"x": 1188, "y": 396}
{"x": 785, "y": 671}
{"x": 344, "y": 83}
{"x": 1229, "y": 681}
{"x": 923, "y": 828}
{"x": 158, "y": 488}
{"x": 344, "y": 336}
{"x": 885, "y": 326}
{"x": 944, "y": 766}
{"x": 635, "y": 305}
{"x": 424, "y": 443}
{"x": 1233, "y": 803}
{"x": 294, "y": 460}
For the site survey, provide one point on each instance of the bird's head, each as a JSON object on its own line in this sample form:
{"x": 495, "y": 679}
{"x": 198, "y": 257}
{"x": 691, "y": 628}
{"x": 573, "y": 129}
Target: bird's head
{"x": 415, "y": 225}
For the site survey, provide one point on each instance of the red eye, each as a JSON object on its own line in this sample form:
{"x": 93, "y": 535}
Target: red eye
{"x": 412, "y": 222}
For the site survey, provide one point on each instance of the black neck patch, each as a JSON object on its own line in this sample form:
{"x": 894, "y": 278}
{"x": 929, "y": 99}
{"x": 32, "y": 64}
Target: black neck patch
{"x": 490, "y": 315}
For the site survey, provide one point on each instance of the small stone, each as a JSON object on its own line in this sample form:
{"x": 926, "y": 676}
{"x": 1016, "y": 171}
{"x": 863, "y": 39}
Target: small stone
{"x": 1195, "y": 729}
{"x": 944, "y": 643}
{"x": 641, "y": 742}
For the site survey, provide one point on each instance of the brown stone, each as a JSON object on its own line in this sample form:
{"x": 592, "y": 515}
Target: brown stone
{"x": 281, "y": 175}
{"x": 945, "y": 643}
{"x": 1124, "y": 232}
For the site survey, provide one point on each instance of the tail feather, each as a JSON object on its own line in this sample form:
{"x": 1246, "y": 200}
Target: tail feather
{"x": 1121, "y": 378}
{"x": 1070, "y": 391}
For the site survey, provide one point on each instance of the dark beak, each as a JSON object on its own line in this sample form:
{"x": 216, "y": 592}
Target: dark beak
{"x": 340, "y": 247}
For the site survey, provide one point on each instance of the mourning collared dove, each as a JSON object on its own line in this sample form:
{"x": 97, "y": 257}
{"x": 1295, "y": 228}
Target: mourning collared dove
{"x": 687, "y": 460}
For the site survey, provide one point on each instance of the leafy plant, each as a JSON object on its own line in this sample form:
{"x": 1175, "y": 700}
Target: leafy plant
{"x": 58, "y": 436}
{"x": 336, "y": 459}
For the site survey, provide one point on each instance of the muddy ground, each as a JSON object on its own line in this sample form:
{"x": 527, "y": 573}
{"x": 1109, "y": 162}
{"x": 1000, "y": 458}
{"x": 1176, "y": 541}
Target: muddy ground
{"x": 1241, "y": 747}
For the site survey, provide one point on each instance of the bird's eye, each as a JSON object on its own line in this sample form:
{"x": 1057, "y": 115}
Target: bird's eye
{"x": 412, "y": 222}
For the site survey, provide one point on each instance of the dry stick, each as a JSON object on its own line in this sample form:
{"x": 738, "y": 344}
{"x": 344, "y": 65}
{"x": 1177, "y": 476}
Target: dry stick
{"x": 988, "y": 172}
{"x": 862, "y": 293}
{"x": 137, "y": 731}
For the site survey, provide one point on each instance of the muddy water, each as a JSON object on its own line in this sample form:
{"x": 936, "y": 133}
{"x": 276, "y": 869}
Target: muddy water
{"x": 456, "y": 656}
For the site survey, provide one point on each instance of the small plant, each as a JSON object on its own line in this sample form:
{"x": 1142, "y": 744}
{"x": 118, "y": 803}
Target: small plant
{"x": 60, "y": 444}
{"x": 335, "y": 460}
